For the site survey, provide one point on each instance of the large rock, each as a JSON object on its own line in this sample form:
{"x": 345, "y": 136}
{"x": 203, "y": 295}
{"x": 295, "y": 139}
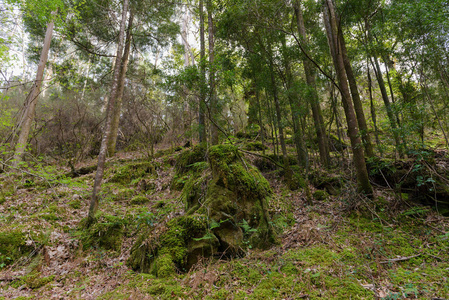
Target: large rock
{"x": 226, "y": 212}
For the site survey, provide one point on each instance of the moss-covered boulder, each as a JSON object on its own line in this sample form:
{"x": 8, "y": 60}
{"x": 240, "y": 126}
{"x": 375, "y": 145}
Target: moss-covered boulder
{"x": 173, "y": 246}
{"x": 106, "y": 233}
{"x": 226, "y": 212}
{"x": 12, "y": 245}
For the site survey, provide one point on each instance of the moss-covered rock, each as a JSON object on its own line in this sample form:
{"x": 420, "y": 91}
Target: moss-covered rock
{"x": 189, "y": 164}
{"x": 255, "y": 146}
{"x": 131, "y": 171}
{"x": 12, "y": 245}
{"x": 106, "y": 233}
{"x": 174, "y": 246}
{"x": 226, "y": 202}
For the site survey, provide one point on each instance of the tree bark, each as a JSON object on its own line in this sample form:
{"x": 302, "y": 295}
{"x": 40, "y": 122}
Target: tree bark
{"x": 30, "y": 109}
{"x": 202, "y": 100}
{"x": 118, "y": 103}
{"x": 361, "y": 120}
{"x": 109, "y": 111}
{"x": 279, "y": 124}
{"x": 323, "y": 144}
{"x": 295, "y": 107}
{"x": 213, "y": 100}
{"x": 353, "y": 130}
{"x": 387, "y": 104}
{"x": 373, "y": 109}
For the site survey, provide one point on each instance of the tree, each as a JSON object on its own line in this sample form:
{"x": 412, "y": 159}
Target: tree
{"x": 323, "y": 143}
{"x": 118, "y": 104}
{"x": 332, "y": 29}
{"x": 45, "y": 12}
{"x": 109, "y": 117}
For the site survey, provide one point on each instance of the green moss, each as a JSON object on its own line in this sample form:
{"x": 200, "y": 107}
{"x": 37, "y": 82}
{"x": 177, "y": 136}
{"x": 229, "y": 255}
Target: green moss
{"x": 255, "y": 146}
{"x": 139, "y": 200}
{"x": 175, "y": 249}
{"x": 320, "y": 195}
{"x": 318, "y": 255}
{"x": 75, "y": 204}
{"x": 188, "y": 158}
{"x": 122, "y": 194}
{"x": 235, "y": 174}
{"x": 106, "y": 233}
{"x": 12, "y": 245}
{"x": 131, "y": 171}
{"x": 164, "y": 266}
{"x": 35, "y": 281}
{"x": 52, "y": 213}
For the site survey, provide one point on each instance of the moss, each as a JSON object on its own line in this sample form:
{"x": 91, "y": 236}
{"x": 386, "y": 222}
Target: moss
{"x": 52, "y": 213}
{"x": 176, "y": 248}
{"x": 255, "y": 146}
{"x": 233, "y": 173}
{"x": 75, "y": 204}
{"x": 188, "y": 158}
{"x": 320, "y": 195}
{"x": 164, "y": 266}
{"x": 139, "y": 200}
{"x": 12, "y": 244}
{"x": 35, "y": 281}
{"x": 122, "y": 194}
{"x": 106, "y": 233}
{"x": 131, "y": 171}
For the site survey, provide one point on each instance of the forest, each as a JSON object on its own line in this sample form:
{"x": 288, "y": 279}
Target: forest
{"x": 224, "y": 149}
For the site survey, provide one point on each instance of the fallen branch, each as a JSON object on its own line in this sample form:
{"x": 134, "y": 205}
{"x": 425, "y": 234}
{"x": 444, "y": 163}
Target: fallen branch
{"x": 399, "y": 259}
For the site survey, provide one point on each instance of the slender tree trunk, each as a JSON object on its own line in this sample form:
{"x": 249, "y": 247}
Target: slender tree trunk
{"x": 189, "y": 60}
{"x": 353, "y": 130}
{"x": 432, "y": 105}
{"x": 361, "y": 120}
{"x": 109, "y": 111}
{"x": 387, "y": 104}
{"x": 202, "y": 102}
{"x": 212, "y": 89}
{"x": 31, "y": 101}
{"x": 373, "y": 109}
{"x": 295, "y": 107}
{"x": 261, "y": 124}
{"x": 118, "y": 102}
{"x": 323, "y": 144}
{"x": 288, "y": 173}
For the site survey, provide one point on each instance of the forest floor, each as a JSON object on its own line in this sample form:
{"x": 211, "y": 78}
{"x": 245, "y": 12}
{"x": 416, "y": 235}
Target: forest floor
{"x": 337, "y": 247}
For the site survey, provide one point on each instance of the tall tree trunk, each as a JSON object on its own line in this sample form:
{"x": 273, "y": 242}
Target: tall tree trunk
{"x": 118, "y": 102}
{"x": 202, "y": 100}
{"x": 373, "y": 109}
{"x": 295, "y": 107}
{"x": 387, "y": 104}
{"x": 323, "y": 144}
{"x": 361, "y": 120}
{"x": 30, "y": 109}
{"x": 189, "y": 60}
{"x": 213, "y": 99}
{"x": 288, "y": 173}
{"x": 353, "y": 131}
{"x": 109, "y": 112}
